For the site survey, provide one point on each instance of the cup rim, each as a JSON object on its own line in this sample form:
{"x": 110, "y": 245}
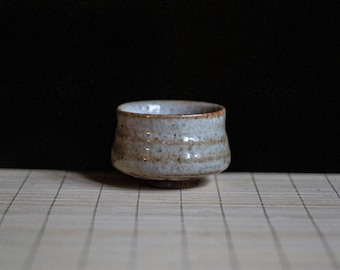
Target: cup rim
{"x": 215, "y": 111}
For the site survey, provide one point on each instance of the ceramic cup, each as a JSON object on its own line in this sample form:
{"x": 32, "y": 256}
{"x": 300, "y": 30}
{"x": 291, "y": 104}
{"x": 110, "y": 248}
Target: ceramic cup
{"x": 170, "y": 139}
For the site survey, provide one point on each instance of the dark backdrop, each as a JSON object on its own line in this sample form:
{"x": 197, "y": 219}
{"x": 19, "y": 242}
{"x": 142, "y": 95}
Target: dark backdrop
{"x": 66, "y": 65}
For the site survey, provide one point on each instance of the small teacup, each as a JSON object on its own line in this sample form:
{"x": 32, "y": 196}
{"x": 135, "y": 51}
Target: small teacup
{"x": 172, "y": 140}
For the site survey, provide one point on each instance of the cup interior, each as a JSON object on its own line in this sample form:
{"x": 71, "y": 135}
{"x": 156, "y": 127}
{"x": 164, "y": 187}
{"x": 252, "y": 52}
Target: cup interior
{"x": 170, "y": 107}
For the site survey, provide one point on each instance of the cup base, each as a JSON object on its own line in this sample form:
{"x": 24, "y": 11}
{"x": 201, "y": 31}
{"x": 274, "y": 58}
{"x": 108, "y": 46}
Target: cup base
{"x": 167, "y": 184}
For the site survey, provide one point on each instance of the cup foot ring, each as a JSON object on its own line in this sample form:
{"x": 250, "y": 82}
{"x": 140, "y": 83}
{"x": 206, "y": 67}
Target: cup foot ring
{"x": 167, "y": 184}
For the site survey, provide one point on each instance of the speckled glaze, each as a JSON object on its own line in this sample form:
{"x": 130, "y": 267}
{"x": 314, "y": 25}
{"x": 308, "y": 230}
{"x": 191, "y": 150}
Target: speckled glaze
{"x": 170, "y": 139}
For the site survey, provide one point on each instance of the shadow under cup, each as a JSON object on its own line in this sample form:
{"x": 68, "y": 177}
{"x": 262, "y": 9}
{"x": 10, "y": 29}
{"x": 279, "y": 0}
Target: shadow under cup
{"x": 170, "y": 140}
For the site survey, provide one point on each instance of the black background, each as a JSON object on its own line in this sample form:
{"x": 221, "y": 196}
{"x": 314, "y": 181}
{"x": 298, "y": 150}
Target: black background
{"x": 66, "y": 65}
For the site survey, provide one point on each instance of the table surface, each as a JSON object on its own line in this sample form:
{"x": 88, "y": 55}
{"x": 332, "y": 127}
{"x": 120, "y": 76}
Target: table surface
{"x": 106, "y": 220}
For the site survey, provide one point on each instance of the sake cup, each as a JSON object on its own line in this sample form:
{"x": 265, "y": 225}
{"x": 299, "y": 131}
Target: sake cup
{"x": 172, "y": 140}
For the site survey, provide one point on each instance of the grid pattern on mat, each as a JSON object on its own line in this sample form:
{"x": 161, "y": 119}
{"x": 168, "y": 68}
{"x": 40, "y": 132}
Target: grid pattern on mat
{"x": 82, "y": 220}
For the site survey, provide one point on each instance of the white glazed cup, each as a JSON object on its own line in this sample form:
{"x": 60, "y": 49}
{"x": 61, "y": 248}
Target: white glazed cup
{"x": 170, "y": 139}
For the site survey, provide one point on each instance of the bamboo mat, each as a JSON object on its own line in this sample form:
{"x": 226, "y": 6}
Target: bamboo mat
{"x": 74, "y": 220}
